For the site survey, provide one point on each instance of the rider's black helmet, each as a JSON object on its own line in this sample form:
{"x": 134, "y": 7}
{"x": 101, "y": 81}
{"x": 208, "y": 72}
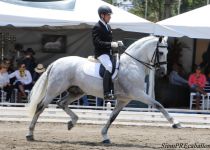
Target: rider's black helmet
{"x": 104, "y": 10}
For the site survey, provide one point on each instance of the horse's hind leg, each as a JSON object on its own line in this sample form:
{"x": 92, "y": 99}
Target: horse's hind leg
{"x": 74, "y": 94}
{"x": 40, "y": 108}
{"x": 119, "y": 106}
{"x": 64, "y": 105}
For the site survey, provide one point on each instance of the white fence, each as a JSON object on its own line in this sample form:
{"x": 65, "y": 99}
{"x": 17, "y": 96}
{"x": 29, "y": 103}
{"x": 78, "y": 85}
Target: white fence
{"x": 129, "y": 116}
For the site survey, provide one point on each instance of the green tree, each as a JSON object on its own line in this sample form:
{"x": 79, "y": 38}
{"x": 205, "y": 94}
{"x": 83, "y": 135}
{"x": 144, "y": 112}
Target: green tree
{"x": 155, "y": 9}
{"x": 108, "y": 1}
{"x": 188, "y": 5}
{"x": 160, "y": 9}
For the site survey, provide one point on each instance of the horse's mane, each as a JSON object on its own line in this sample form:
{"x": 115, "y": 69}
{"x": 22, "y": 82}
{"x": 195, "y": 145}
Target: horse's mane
{"x": 140, "y": 43}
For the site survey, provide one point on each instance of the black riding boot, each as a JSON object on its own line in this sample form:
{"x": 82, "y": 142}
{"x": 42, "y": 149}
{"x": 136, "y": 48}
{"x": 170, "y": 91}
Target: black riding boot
{"x": 108, "y": 86}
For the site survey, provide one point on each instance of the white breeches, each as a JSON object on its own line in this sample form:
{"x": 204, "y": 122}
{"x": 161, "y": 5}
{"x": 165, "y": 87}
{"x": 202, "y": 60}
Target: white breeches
{"x": 105, "y": 60}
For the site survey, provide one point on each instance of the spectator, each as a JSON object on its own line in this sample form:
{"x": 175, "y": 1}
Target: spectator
{"x": 38, "y": 72}
{"x": 175, "y": 77}
{"x": 4, "y": 81}
{"x": 208, "y": 78}
{"x": 197, "y": 83}
{"x": 85, "y": 100}
{"x": 205, "y": 64}
{"x": 23, "y": 80}
{"x": 18, "y": 48}
{"x": 99, "y": 101}
{"x": 16, "y": 53}
{"x": 29, "y": 60}
{"x": 8, "y": 62}
{"x": 10, "y": 69}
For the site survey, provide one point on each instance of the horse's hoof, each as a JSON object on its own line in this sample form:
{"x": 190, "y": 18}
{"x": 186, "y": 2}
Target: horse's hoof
{"x": 29, "y": 137}
{"x": 70, "y": 125}
{"x": 177, "y": 126}
{"x": 107, "y": 141}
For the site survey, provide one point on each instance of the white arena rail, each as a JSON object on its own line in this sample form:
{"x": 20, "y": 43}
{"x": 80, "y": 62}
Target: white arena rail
{"x": 129, "y": 116}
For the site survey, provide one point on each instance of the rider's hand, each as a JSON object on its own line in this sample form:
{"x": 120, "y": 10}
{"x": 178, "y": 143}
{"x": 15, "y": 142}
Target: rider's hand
{"x": 114, "y": 44}
{"x": 120, "y": 43}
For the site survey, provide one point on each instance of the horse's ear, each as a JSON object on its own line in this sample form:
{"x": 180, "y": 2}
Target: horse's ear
{"x": 165, "y": 39}
{"x": 160, "y": 39}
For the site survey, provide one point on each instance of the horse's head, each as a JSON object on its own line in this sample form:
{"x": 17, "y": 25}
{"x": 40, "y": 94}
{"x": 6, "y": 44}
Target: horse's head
{"x": 150, "y": 52}
{"x": 160, "y": 57}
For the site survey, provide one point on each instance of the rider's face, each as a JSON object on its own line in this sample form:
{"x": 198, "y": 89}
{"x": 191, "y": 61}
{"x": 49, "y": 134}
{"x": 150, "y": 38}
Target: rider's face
{"x": 106, "y": 17}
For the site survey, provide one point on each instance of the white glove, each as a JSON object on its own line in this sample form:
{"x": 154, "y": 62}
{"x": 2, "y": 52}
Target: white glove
{"x": 114, "y": 44}
{"x": 120, "y": 43}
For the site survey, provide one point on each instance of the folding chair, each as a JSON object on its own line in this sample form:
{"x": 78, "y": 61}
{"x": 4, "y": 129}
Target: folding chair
{"x": 3, "y": 96}
{"x": 193, "y": 100}
{"x": 27, "y": 100}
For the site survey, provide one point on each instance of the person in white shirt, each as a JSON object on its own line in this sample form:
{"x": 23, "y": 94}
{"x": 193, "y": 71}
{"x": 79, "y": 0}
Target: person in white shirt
{"x": 4, "y": 81}
{"x": 23, "y": 79}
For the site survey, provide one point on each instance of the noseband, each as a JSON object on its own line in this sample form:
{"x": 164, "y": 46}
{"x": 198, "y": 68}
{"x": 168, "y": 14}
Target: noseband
{"x": 155, "y": 58}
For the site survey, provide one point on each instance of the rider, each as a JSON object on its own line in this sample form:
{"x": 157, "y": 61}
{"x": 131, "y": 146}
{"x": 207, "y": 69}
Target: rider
{"x": 102, "y": 40}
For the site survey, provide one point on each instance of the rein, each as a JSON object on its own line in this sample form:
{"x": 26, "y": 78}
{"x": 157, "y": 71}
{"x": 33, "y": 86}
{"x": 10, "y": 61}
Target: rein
{"x": 155, "y": 57}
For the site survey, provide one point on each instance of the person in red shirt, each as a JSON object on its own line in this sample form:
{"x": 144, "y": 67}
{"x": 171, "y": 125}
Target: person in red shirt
{"x": 197, "y": 83}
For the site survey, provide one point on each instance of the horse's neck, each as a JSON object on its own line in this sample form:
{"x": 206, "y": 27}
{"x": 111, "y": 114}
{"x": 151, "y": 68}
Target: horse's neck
{"x": 138, "y": 54}
{"x": 142, "y": 55}
{"x": 134, "y": 67}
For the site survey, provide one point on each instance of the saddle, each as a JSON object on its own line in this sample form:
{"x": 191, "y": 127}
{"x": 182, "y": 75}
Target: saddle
{"x": 96, "y": 69}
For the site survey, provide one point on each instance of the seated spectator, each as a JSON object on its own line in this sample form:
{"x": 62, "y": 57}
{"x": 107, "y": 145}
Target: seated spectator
{"x": 29, "y": 60}
{"x": 197, "y": 83}
{"x": 10, "y": 69}
{"x": 85, "y": 100}
{"x": 23, "y": 79}
{"x": 8, "y": 62}
{"x": 208, "y": 77}
{"x": 175, "y": 77}
{"x": 99, "y": 101}
{"x": 4, "y": 81}
{"x": 38, "y": 72}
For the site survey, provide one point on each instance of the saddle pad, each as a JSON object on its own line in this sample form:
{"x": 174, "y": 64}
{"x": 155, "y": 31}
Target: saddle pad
{"x": 92, "y": 69}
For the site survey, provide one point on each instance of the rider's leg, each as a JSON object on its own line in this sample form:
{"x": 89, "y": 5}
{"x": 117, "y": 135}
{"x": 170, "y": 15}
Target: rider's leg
{"x": 107, "y": 81}
{"x": 107, "y": 85}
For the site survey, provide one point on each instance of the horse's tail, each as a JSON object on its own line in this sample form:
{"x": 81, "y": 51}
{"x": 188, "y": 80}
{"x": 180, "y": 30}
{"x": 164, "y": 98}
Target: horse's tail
{"x": 38, "y": 91}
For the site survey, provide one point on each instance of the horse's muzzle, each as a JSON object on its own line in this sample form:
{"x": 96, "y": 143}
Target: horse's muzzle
{"x": 160, "y": 72}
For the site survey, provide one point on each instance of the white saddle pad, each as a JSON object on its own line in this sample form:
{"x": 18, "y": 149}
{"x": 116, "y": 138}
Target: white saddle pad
{"x": 92, "y": 69}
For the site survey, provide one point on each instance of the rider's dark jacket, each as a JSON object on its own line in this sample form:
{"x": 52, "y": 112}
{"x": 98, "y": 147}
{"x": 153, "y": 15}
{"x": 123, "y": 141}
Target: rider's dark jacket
{"x": 102, "y": 39}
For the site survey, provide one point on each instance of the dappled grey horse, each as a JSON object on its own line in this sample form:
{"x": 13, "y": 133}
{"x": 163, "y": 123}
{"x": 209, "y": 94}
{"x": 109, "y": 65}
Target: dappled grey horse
{"x": 67, "y": 74}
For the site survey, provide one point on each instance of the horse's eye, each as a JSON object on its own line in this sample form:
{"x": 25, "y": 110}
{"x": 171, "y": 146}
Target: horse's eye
{"x": 160, "y": 53}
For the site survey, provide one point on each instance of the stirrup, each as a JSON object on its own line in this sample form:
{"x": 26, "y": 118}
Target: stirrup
{"x": 109, "y": 96}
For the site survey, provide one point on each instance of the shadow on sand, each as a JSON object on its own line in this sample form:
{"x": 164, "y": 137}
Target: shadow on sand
{"x": 91, "y": 144}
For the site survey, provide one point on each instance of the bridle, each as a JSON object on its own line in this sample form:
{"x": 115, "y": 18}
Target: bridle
{"x": 155, "y": 58}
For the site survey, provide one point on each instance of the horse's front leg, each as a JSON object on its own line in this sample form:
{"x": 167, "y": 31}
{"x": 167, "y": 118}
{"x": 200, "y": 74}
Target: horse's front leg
{"x": 175, "y": 123}
{"x": 119, "y": 106}
{"x": 150, "y": 101}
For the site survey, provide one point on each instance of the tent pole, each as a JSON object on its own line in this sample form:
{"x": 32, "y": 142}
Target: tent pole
{"x": 194, "y": 53}
{"x": 146, "y": 5}
{"x": 179, "y": 5}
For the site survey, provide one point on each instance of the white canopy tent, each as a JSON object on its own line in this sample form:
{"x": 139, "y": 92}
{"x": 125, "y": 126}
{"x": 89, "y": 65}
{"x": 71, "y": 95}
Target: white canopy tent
{"x": 84, "y": 12}
{"x": 194, "y": 24}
